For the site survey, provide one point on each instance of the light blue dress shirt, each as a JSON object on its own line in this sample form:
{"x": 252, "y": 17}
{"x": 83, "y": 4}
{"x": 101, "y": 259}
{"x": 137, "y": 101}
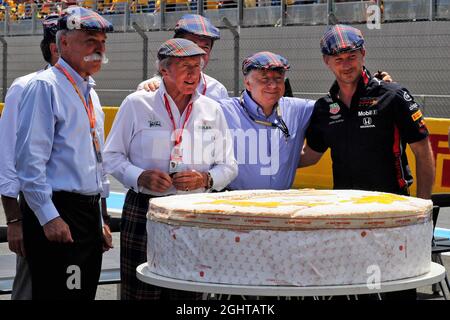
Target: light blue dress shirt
{"x": 266, "y": 159}
{"x": 54, "y": 148}
{"x": 9, "y": 183}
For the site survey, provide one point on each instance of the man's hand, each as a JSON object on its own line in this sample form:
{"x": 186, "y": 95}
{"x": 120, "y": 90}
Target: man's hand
{"x": 189, "y": 180}
{"x": 58, "y": 231}
{"x": 107, "y": 238}
{"x": 14, "y": 232}
{"x": 155, "y": 180}
{"x": 308, "y": 157}
{"x": 150, "y": 85}
{"x": 15, "y": 238}
{"x": 383, "y": 75}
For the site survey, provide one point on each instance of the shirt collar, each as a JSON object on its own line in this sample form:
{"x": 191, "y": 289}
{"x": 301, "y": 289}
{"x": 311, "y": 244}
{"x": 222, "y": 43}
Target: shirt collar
{"x": 75, "y": 75}
{"x": 254, "y": 108}
{"x": 202, "y": 83}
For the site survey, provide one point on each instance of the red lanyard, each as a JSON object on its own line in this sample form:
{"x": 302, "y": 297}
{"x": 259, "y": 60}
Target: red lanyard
{"x": 178, "y": 136}
{"x": 89, "y": 109}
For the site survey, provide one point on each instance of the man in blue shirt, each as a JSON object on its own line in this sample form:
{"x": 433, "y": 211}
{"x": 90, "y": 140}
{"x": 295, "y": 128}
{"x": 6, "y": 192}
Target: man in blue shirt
{"x": 268, "y": 129}
{"x": 59, "y": 163}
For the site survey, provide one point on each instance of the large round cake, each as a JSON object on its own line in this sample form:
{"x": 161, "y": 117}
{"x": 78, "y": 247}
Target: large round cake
{"x": 293, "y": 237}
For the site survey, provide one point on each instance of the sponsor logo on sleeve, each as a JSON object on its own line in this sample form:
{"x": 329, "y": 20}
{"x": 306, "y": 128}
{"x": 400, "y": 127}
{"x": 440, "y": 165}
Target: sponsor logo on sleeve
{"x": 406, "y": 96}
{"x": 416, "y": 115}
{"x": 413, "y": 106}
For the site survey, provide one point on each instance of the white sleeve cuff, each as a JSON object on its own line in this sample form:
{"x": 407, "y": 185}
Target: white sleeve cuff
{"x": 10, "y": 189}
{"x": 46, "y": 213}
{"x": 131, "y": 176}
{"x": 218, "y": 179}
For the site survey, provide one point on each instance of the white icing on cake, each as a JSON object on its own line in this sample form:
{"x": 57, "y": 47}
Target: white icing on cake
{"x": 293, "y": 237}
{"x": 291, "y": 209}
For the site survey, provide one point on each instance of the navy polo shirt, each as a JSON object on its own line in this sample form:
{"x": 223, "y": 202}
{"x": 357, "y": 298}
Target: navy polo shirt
{"x": 368, "y": 140}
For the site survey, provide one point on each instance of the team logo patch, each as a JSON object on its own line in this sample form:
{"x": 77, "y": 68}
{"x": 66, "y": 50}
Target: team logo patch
{"x": 367, "y": 122}
{"x": 406, "y": 96}
{"x": 154, "y": 123}
{"x": 416, "y": 115}
{"x": 205, "y": 126}
{"x": 334, "y": 108}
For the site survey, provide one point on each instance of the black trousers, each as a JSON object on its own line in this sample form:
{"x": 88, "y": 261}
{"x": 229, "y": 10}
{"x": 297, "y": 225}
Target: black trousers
{"x": 61, "y": 271}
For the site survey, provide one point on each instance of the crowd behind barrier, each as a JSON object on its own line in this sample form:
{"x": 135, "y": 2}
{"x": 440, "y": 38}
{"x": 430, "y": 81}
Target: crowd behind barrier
{"x": 391, "y": 10}
{"x": 23, "y": 9}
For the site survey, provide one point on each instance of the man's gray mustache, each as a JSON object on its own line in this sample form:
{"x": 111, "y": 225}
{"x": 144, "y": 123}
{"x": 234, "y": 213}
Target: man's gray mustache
{"x": 96, "y": 57}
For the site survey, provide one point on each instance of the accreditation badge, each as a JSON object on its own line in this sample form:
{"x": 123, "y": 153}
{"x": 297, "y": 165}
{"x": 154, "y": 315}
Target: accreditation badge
{"x": 176, "y": 160}
{"x": 97, "y": 149}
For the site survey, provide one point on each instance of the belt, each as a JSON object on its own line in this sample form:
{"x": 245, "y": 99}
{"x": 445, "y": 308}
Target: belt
{"x": 93, "y": 199}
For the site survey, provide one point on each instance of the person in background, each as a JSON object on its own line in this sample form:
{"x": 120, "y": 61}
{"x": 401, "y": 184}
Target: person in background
{"x": 201, "y": 31}
{"x": 9, "y": 183}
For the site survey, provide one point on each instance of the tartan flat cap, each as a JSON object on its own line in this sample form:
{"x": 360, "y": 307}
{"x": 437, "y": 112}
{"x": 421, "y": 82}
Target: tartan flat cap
{"x": 50, "y": 26}
{"x": 341, "y": 38}
{"x": 178, "y": 48}
{"x": 79, "y": 18}
{"x": 264, "y": 60}
{"x": 197, "y": 25}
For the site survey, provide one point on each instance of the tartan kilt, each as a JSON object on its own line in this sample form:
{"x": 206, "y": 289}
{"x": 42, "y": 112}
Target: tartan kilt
{"x": 133, "y": 252}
